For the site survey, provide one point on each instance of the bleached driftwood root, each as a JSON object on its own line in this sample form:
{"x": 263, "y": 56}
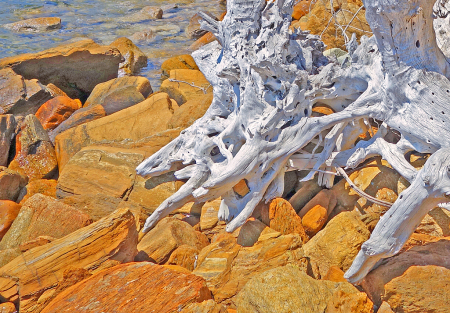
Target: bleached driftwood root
{"x": 266, "y": 81}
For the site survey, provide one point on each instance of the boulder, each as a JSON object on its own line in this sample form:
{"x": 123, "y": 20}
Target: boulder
{"x": 40, "y": 24}
{"x": 385, "y": 308}
{"x": 208, "y": 306}
{"x": 338, "y": 243}
{"x": 335, "y": 274}
{"x": 377, "y": 179}
{"x": 344, "y": 302}
{"x": 8, "y": 307}
{"x": 42, "y": 186}
{"x": 43, "y": 216}
{"x": 35, "y": 156}
{"x": 135, "y": 59}
{"x": 183, "y": 85}
{"x": 325, "y": 198}
{"x": 301, "y": 9}
{"x": 11, "y": 182}
{"x": 20, "y": 96}
{"x": 433, "y": 253}
{"x": 435, "y": 223}
{"x": 317, "y": 21}
{"x": 184, "y": 61}
{"x": 193, "y": 30}
{"x": 79, "y": 117}
{"x": 8, "y": 213}
{"x": 133, "y": 124}
{"x": 250, "y": 232}
{"x": 419, "y": 289}
{"x": 208, "y": 217}
{"x": 190, "y": 111}
{"x": 287, "y": 289}
{"x": 75, "y": 67}
{"x": 119, "y": 93}
{"x": 146, "y": 288}
{"x": 7, "y": 131}
{"x": 284, "y": 219}
{"x": 169, "y": 234}
{"x": 184, "y": 256}
{"x": 146, "y": 13}
{"x": 99, "y": 170}
{"x": 55, "y": 91}
{"x": 227, "y": 266}
{"x": 55, "y": 111}
{"x": 95, "y": 205}
{"x": 36, "y": 272}
{"x": 314, "y": 220}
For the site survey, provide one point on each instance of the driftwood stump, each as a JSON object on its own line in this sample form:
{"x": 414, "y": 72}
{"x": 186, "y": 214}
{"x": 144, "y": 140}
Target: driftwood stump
{"x": 266, "y": 80}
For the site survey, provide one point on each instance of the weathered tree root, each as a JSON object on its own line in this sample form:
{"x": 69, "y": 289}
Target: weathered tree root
{"x": 266, "y": 81}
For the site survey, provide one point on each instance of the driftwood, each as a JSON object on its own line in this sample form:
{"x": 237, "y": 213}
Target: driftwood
{"x": 266, "y": 80}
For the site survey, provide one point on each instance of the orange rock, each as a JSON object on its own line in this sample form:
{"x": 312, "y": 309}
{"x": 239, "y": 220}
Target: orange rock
{"x": 8, "y": 213}
{"x": 434, "y": 253}
{"x": 119, "y": 93}
{"x": 321, "y": 109}
{"x": 11, "y": 183}
{"x": 55, "y": 91}
{"x": 185, "y": 61}
{"x": 335, "y": 274}
{"x": 76, "y": 67}
{"x": 43, "y": 186}
{"x": 208, "y": 306}
{"x": 184, "y": 85}
{"x": 343, "y": 302}
{"x": 130, "y": 124}
{"x": 205, "y": 39}
{"x": 79, "y": 117}
{"x": 8, "y": 307}
{"x": 135, "y": 59}
{"x": 190, "y": 111}
{"x": 39, "y": 24}
{"x": 301, "y": 9}
{"x": 314, "y": 220}
{"x": 162, "y": 291}
{"x": 284, "y": 219}
{"x": 107, "y": 242}
{"x": 385, "y": 308}
{"x": 227, "y": 266}
{"x": 184, "y": 256}
{"x": 241, "y": 188}
{"x": 169, "y": 234}
{"x": 43, "y": 216}
{"x": 39, "y": 241}
{"x": 209, "y": 218}
{"x": 56, "y": 110}
{"x": 419, "y": 289}
{"x": 35, "y": 156}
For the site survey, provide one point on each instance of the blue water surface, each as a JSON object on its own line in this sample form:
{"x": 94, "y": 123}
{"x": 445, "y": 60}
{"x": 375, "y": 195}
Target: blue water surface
{"x": 104, "y": 21}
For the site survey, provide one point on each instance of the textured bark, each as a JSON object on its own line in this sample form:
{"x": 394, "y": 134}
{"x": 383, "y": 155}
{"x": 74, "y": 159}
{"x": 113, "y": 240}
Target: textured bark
{"x": 266, "y": 81}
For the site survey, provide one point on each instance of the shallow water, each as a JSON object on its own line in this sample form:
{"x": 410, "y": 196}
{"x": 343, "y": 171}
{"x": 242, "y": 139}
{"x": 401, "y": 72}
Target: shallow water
{"x": 104, "y": 21}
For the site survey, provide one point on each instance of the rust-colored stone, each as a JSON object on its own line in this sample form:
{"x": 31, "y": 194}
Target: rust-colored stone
{"x": 8, "y": 213}
{"x": 314, "y": 220}
{"x": 301, "y": 9}
{"x": 11, "y": 183}
{"x": 205, "y": 39}
{"x": 335, "y": 274}
{"x": 43, "y": 186}
{"x": 8, "y": 307}
{"x": 7, "y": 129}
{"x": 284, "y": 219}
{"x": 148, "y": 288}
{"x": 185, "y": 61}
{"x": 135, "y": 59}
{"x": 56, "y": 110}
{"x": 241, "y": 188}
{"x": 184, "y": 256}
{"x": 344, "y": 302}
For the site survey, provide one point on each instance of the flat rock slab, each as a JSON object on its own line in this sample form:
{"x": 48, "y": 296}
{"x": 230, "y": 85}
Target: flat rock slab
{"x": 76, "y": 67}
{"x": 103, "y": 244}
{"x": 40, "y": 24}
{"x": 144, "y": 287}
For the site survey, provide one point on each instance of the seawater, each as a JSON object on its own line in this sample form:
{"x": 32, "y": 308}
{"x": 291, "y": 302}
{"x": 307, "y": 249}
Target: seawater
{"x": 104, "y": 21}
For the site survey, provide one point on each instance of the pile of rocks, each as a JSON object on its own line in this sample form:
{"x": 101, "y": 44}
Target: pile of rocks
{"x": 75, "y": 123}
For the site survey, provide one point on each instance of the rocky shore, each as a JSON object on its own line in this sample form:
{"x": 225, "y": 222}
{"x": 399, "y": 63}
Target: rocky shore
{"x": 76, "y": 120}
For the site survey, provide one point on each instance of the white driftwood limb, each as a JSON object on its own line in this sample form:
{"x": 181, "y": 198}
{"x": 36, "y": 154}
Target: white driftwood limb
{"x": 266, "y": 81}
